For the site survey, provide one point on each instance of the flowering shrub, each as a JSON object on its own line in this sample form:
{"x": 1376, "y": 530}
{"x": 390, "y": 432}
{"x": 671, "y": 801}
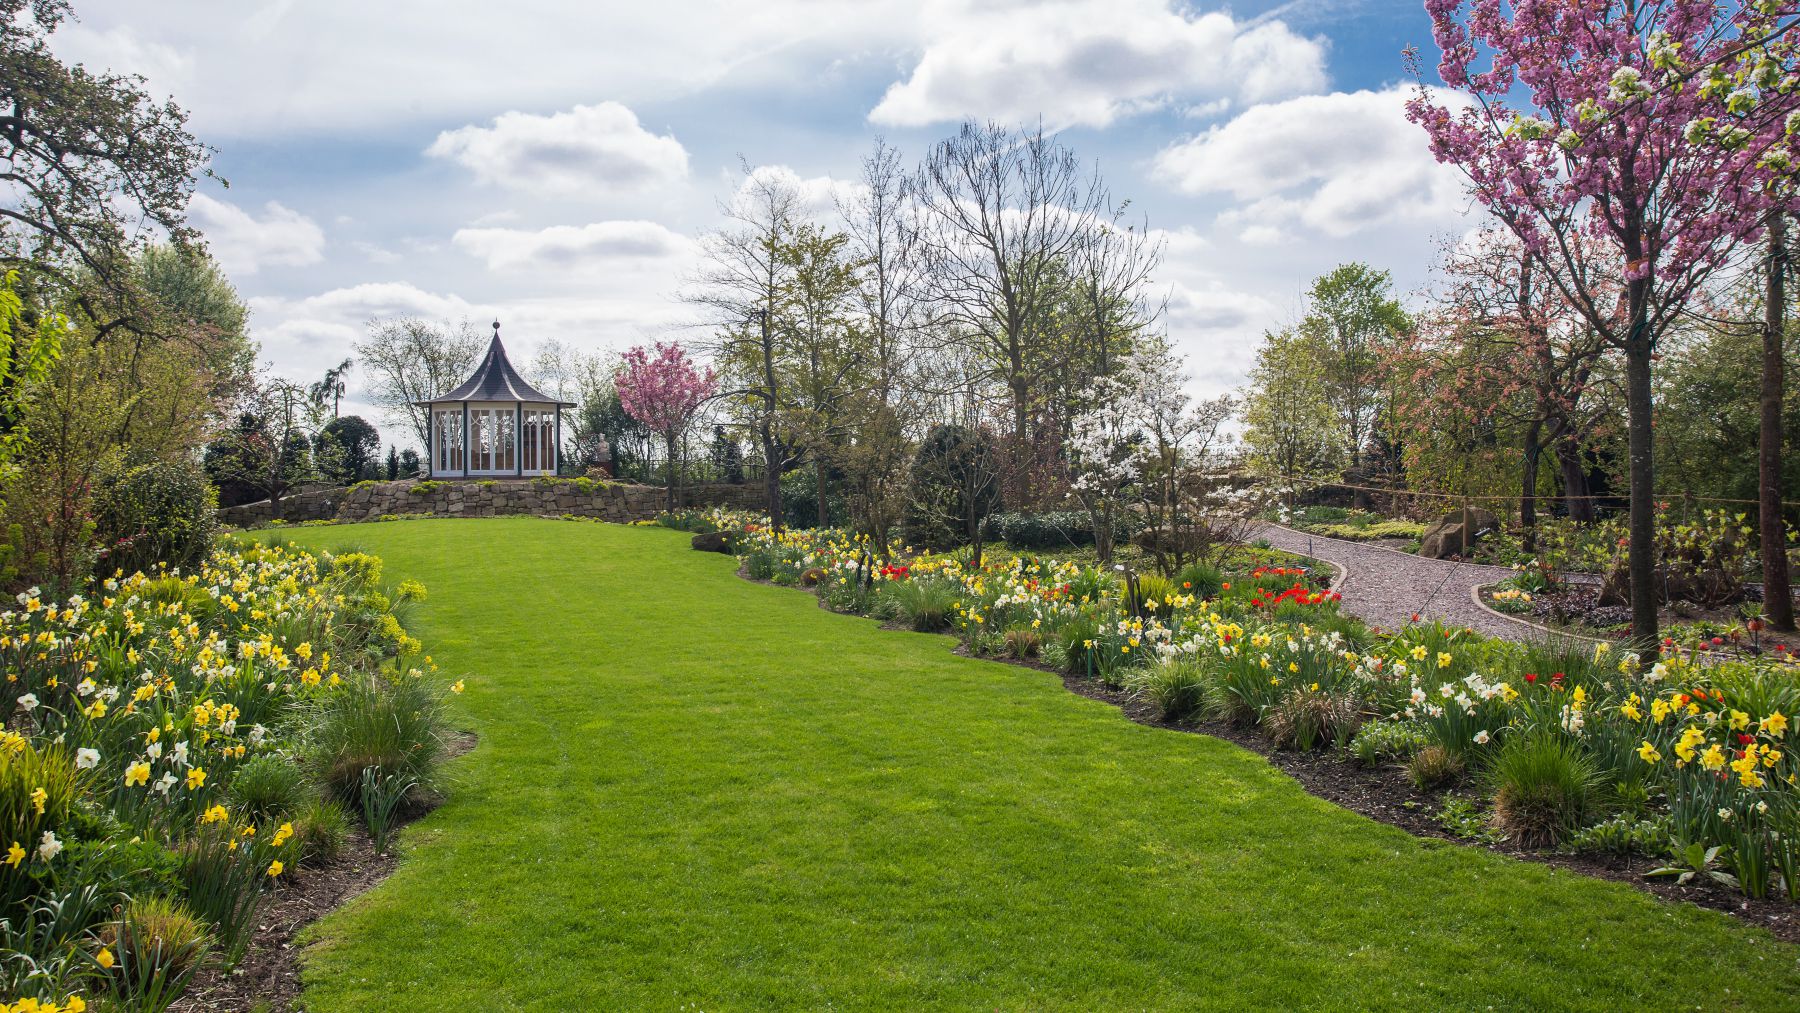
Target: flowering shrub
{"x": 131, "y": 710}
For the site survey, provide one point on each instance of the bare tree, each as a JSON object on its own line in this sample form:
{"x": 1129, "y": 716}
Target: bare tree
{"x": 743, "y": 289}
{"x": 407, "y": 360}
{"x": 1004, "y": 214}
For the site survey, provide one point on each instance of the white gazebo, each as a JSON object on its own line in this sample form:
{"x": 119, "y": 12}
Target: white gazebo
{"x": 495, "y": 425}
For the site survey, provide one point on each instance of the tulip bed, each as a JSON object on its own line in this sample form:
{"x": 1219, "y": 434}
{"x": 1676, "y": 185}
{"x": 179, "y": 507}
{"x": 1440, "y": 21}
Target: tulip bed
{"x": 178, "y": 745}
{"x": 695, "y": 790}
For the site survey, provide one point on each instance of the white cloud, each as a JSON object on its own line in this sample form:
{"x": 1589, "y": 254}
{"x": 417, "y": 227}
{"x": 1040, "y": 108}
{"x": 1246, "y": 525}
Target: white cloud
{"x": 583, "y": 149}
{"x": 245, "y": 244}
{"x": 1089, "y": 62}
{"x": 1334, "y": 164}
{"x": 620, "y": 244}
{"x": 819, "y": 196}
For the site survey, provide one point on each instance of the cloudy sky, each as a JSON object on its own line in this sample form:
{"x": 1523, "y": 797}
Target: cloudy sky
{"x": 550, "y": 164}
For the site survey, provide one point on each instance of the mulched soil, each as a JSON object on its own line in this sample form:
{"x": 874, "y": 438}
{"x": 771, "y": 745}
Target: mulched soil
{"x": 268, "y": 978}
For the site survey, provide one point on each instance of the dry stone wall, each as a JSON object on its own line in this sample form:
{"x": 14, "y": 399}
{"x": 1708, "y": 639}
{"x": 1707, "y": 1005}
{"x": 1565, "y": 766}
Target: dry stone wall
{"x": 367, "y": 501}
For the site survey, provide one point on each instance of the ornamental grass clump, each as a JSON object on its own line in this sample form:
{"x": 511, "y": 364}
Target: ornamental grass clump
{"x": 150, "y": 954}
{"x": 321, "y": 829}
{"x": 926, "y": 604}
{"x": 1434, "y": 767}
{"x": 389, "y": 722}
{"x": 1544, "y": 789}
{"x": 1309, "y": 717}
{"x": 268, "y": 787}
{"x": 1175, "y": 687}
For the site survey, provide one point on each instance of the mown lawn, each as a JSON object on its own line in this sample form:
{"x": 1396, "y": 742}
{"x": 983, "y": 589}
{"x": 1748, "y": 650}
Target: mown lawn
{"x": 692, "y": 792}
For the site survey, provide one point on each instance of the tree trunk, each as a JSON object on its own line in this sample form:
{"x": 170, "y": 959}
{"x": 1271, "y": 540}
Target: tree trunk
{"x": 1643, "y": 481}
{"x": 1528, "y": 477}
{"x": 1576, "y": 498}
{"x": 771, "y": 475}
{"x": 1778, "y": 597}
{"x": 670, "y": 438}
{"x": 819, "y": 476}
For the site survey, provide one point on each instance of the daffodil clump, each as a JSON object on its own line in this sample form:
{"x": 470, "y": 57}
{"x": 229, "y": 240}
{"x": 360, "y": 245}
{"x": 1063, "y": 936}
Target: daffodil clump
{"x": 1697, "y": 749}
{"x": 129, "y": 709}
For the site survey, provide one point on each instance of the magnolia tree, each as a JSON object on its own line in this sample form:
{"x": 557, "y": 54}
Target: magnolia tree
{"x": 1144, "y": 441}
{"x": 1610, "y": 119}
{"x": 663, "y": 389}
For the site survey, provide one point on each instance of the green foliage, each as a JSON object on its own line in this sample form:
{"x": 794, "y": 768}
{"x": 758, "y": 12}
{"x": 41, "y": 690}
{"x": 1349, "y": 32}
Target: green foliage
{"x": 1290, "y": 426}
{"x": 163, "y": 512}
{"x": 158, "y": 946}
{"x": 25, "y": 771}
{"x": 1056, "y": 529}
{"x": 1308, "y": 717}
{"x": 321, "y": 829}
{"x": 955, "y": 486}
{"x": 1621, "y": 836}
{"x": 1463, "y": 818}
{"x": 268, "y": 788}
{"x": 425, "y": 487}
{"x": 1381, "y": 741}
{"x": 382, "y": 793}
{"x": 1177, "y": 688}
{"x": 924, "y": 603}
{"x": 371, "y": 721}
{"x": 222, "y": 881}
{"x": 1202, "y": 580}
{"x": 1434, "y": 767}
{"x": 1544, "y": 789}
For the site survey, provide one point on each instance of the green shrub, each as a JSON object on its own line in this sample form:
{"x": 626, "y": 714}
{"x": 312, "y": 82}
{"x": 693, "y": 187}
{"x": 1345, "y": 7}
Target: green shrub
{"x": 1379, "y": 741}
{"x": 321, "y": 830}
{"x": 268, "y": 787}
{"x": 1544, "y": 789}
{"x": 165, "y": 512}
{"x": 1176, "y": 688}
{"x": 425, "y": 488}
{"x": 1056, "y": 529}
{"x": 372, "y": 721}
{"x": 1309, "y": 717}
{"x": 1433, "y": 767}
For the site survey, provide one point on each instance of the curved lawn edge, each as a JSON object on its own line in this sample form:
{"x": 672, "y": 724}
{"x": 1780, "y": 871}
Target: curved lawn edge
{"x": 788, "y": 810}
{"x": 1383, "y": 795}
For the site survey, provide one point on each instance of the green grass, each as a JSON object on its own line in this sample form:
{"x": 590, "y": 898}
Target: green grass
{"x": 693, "y": 792}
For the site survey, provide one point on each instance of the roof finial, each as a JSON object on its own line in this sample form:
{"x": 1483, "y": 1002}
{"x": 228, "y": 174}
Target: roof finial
{"x": 496, "y": 328}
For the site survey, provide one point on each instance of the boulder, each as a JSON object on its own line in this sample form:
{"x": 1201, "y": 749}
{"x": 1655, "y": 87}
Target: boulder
{"x": 1448, "y": 537}
{"x": 713, "y": 541}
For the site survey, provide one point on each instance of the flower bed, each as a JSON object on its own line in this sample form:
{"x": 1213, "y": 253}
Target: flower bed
{"x": 178, "y": 745}
{"x": 1565, "y": 748}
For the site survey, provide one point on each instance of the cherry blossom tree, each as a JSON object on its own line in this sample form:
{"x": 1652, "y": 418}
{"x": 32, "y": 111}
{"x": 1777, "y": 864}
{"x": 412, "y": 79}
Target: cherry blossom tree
{"x": 1612, "y": 119}
{"x": 663, "y": 389}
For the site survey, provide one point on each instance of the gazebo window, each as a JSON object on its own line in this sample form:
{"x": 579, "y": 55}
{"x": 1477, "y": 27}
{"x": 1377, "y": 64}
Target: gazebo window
{"x": 495, "y": 424}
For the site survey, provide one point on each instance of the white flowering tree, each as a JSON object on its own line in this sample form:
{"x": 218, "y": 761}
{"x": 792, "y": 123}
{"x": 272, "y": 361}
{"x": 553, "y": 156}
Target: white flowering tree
{"x": 1189, "y": 506}
{"x": 1103, "y": 454}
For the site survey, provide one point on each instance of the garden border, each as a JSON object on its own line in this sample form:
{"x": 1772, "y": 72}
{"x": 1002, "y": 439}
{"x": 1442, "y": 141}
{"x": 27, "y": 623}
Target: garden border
{"x": 1342, "y": 782}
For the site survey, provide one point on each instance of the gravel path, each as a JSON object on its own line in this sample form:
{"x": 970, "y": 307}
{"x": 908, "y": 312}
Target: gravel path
{"x": 1386, "y": 587}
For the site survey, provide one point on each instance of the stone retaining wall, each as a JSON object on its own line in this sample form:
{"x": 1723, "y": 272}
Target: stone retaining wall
{"x": 610, "y": 501}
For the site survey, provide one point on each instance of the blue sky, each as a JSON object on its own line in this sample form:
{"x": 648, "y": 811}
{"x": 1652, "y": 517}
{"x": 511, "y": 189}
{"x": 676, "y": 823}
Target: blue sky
{"x": 551, "y": 164}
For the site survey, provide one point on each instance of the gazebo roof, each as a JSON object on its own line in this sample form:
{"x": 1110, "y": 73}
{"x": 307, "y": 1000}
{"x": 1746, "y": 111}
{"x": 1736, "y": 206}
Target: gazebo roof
{"x": 495, "y": 379}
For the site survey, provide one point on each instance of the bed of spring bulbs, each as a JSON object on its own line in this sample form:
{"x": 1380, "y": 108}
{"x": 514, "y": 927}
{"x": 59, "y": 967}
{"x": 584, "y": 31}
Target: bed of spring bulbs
{"x": 1574, "y": 746}
{"x": 177, "y": 745}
